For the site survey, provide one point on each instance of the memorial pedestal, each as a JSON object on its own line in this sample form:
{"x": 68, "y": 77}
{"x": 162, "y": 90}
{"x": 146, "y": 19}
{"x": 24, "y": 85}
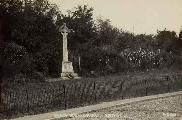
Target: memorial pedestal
{"x": 67, "y": 71}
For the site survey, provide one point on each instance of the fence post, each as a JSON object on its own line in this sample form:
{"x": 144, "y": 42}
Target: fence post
{"x": 122, "y": 90}
{"x": 64, "y": 92}
{"x": 95, "y": 93}
{"x": 28, "y": 106}
{"x": 146, "y": 87}
{"x": 1, "y": 99}
{"x": 168, "y": 86}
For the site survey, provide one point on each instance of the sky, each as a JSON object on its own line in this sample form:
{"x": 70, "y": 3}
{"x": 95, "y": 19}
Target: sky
{"x": 138, "y": 16}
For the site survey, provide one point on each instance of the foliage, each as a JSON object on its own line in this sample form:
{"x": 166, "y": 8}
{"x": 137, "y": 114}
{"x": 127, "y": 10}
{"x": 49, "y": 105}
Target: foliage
{"x": 29, "y": 29}
{"x": 80, "y": 40}
{"x": 31, "y": 43}
{"x": 167, "y": 40}
{"x": 81, "y": 22}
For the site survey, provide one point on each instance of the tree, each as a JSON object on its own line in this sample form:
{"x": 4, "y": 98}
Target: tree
{"x": 29, "y": 27}
{"x": 167, "y": 40}
{"x": 81, "y": 22}
{"x": 125, "y": 41}
{"x": 83, "y": 33}
{"x": 107, "y": 34}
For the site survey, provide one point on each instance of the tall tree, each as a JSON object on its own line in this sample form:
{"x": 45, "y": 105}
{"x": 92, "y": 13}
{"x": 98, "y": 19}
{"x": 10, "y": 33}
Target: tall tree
{"x": 83, "y": 33}
{"x": 29, "y": 29}
{"x": 167, "y": 40}
{"x": 107, "y": 34}
{"x": 80, "y": 20}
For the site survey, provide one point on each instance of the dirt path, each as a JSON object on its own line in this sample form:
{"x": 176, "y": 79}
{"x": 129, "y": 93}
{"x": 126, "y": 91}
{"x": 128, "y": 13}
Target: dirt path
{"x": 169, "y": 108}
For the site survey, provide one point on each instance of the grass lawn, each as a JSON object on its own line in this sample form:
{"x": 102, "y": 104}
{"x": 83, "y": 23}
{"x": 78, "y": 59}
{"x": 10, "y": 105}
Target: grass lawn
{"x": 129, "y": 77}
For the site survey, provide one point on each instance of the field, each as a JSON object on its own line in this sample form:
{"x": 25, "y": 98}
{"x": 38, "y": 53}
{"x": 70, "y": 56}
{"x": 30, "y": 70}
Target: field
{"x": 34, "y": 98}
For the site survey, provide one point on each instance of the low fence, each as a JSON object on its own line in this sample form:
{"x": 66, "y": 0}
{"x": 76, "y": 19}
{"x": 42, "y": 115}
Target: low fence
{"x": 34, "y": 98}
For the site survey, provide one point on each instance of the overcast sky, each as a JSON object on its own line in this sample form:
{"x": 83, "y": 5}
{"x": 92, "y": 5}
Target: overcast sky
{"x": 145, "y": 16}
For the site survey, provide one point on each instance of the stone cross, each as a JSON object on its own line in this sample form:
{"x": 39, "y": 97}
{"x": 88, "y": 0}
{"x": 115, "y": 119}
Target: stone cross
{"x": 64, "y": 31}
{"x": 67, "y": 67}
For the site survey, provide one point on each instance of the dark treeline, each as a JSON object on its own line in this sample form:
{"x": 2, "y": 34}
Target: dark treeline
{"x": 30, "y": 44}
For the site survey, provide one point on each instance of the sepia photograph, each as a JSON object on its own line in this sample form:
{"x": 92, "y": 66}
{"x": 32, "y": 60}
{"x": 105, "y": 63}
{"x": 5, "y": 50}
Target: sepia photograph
{"x": 90, "y": 59}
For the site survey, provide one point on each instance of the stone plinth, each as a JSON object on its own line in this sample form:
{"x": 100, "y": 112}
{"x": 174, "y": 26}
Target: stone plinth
{"x": 67, "y": 67}
{"x": 67, "y": 71}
